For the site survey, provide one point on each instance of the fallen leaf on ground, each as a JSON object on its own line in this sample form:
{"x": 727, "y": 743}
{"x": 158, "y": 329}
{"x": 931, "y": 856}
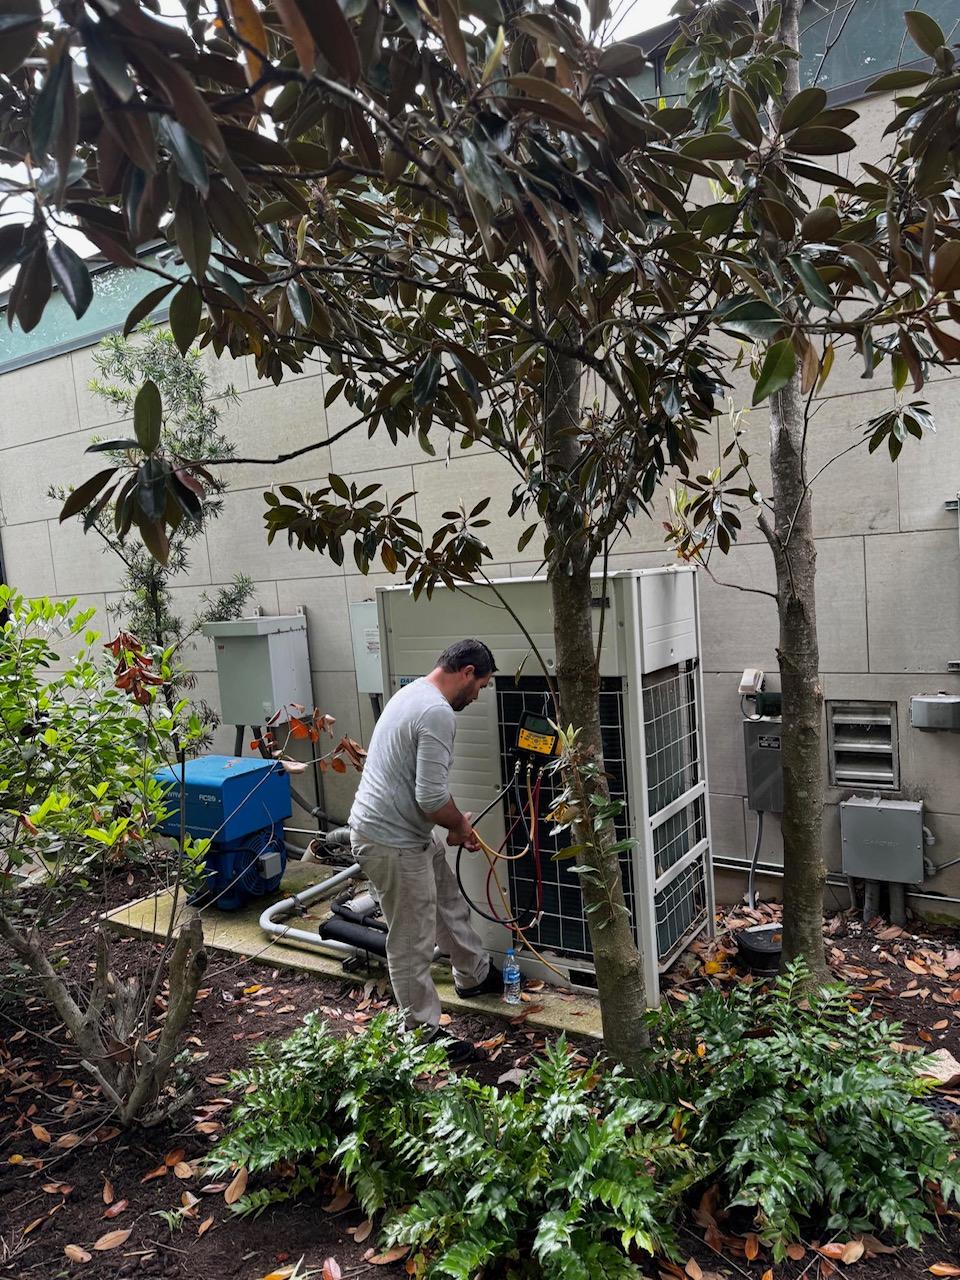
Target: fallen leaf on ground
{"x": 67, "y": 1140}
{"x": 32, "y": 1226}
{"x": 768, "y": 1274}
{"x": 112, "y": 1240}
{"x": 693, "y": 1269}
{"x": 40, "y": 1133}
{"x": 237, "y": 1187}
{"x": 340, "y": 1201}
{"x": 852, "y": 1252}
{"x": 331, "y": 1269}
{"x": 205, "y": 1225}
{"x": 116, "y": 1209}
{"x": 174, "y": 1157}
{"x": 76, "y": 1254}
{"x": 361, "y": 1232}
{"x": 944, "y": 1269}
{"x": 795, "y": 1251}
{"x": 182, "y": 1170}
{"x": 159, "y": 1172}
{"x": 107, "y": 1191}
{"x": 392, "y": 1255}
{"x": 751, "y": 1246}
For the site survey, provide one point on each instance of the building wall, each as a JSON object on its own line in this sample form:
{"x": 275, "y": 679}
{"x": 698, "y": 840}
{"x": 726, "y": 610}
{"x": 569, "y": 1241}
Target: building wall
{"x": 888, "y": 554}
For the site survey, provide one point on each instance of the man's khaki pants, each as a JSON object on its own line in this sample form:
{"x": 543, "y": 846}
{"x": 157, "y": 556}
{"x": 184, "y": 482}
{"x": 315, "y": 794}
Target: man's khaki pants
{"x": 423, "y": 907}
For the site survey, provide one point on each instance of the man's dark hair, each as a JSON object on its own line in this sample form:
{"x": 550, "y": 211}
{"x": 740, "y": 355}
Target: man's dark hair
{"x": 468, "y": 653}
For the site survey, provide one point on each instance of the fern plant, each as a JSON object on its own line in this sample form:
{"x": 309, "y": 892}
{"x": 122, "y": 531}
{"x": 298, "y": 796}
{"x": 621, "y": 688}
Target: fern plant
{"x": 574, "y": 1173}
{"x": 803, "y": 1105}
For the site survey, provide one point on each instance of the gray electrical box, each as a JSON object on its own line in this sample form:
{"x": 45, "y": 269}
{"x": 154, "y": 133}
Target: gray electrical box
{"x": 882, "y": 839}
{"x": 761, "y": 740}
{"x": 365, "y": 632}
{"x": 263, "y": 666}
{"x": 933, "y": 712}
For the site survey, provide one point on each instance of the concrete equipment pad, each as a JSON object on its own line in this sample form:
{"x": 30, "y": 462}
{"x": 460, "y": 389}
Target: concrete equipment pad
{"x": 238, "y": 933}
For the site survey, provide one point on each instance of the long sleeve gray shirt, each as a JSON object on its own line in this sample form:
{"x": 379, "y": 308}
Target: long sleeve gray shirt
{"x": 405, "y": 773}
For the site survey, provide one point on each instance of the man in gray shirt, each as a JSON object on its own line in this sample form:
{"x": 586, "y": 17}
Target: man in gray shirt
{"x": 403, "y": 795}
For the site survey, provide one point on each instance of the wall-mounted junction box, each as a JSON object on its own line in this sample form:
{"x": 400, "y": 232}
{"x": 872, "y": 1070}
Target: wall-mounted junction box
{"x": 882, "y": 839}
{"x": 935, "y": 712}
{"x": 263, "y": 666}
{"x": 761, "y": 741}
{"x": 365, "y": 631}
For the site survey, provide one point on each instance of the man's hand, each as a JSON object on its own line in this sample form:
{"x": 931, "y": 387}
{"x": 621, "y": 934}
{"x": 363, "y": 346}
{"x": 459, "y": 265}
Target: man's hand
{"x": 463, "y": 834}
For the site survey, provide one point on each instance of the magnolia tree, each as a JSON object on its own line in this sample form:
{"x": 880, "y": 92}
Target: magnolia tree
{"x": 490, "y": 242}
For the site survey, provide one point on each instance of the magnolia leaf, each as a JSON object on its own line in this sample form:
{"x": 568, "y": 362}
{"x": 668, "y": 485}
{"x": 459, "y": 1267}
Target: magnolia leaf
{"x": 239, "y": 1184}
{"x": 806, "y": 106}
{"x": 744, "y": 116}
{"x": 924, "y": 32}
{"x": 185, "y": 307}
{"x": 144, "y": 307}
{"x": 112, "y": 1240}
{"x": 72, "y": 277}
{"x": 779, "y": 366}
{"x": 148, "y": 416}
{"x": 819, "y": 140}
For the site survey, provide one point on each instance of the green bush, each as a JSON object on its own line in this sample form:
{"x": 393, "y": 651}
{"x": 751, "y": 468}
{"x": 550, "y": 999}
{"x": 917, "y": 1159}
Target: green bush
{"x": 803, "y": 1107}
{"x": 796, "y": 1103}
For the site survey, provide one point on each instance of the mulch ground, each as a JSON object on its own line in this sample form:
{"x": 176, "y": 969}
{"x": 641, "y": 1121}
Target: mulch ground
{"x": 68, "y": 1177}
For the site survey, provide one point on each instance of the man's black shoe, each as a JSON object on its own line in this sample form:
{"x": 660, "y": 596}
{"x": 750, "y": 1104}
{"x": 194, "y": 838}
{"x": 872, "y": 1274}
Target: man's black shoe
{"x": 492, "y": 985}
{"x": 459, "y": 1052}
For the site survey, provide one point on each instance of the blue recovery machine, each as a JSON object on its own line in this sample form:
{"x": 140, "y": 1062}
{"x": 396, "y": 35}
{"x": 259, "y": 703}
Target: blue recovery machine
{"x": 241, "y": 804}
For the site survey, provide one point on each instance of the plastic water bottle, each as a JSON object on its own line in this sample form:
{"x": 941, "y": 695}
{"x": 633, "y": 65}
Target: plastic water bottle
{"x": 511, "y": 978}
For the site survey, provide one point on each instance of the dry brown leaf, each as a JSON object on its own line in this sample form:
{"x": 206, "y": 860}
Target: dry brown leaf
{"x": 32, "y": 1226}
{"x": 208, "y": 1126}
{"x": 944, "y": 1269}
{"x": 237, "y": 1187}
{"x": 116, "y": 1209}
{"x": 76, "y": 1254}
{"x": 331, "y": 1269}
{"x": 874, "y": 1246}
{"x": 182, "y": 1170}
{"x": 159, "y": 1172}
{"x": 392, "y": 1255}
{"x": 768, "y": 1274}
{"x": 795, "y": 1251}
{"x": 112, "y": 1240}
{"x": 174, "y": 1157}
{"x": 853, "y": 1251}
{"x": 283, "y": 1274}
{"x": 40, "y": 1133}
{"x": 67, "y": 1140}
{"x": 340, "y": 1201}
{"x": 361, "y": 1232}
{"x": 751, "y": 1246}
{"x": 914, "y": 967}
{"x": 188, "y": 1200}
{"x": 108, "y": 1193}
{"x": 205, "y": 1225}
{"x": 693, "y": 1269}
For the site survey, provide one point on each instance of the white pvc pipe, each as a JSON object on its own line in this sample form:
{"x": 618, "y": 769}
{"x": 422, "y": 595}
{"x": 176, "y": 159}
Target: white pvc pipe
{"x": 316, "y": 892}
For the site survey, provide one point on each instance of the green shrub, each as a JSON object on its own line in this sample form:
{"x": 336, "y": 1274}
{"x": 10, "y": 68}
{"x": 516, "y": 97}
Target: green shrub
{"x": 795, "y": 1102}
{"x": 803, "y": 1106}
{"x": 573, "y": 1170}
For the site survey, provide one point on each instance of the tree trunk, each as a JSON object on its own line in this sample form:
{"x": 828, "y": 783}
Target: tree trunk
{"x": 620, "y": 979}
{"x": 795, "y": 554}
{"x": 619, "y": 966}
{"x": 804, "y": 872}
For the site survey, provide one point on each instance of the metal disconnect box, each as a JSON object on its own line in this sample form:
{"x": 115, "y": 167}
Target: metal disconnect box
{"x": 365, "y": 633}
{"x": 761, "y": 740}
{"x": 263, "y": 666}
{"x": 882, "y": 839}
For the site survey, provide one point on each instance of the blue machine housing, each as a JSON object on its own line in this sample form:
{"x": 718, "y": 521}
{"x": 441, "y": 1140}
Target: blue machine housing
{"x": 241, "y": 803}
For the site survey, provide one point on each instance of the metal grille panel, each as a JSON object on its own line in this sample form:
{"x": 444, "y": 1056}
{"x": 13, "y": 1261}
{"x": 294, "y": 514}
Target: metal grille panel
{"x": 562, "y": 927}
{"x": 680, "y": 910}
{"x": 672, "y": 740}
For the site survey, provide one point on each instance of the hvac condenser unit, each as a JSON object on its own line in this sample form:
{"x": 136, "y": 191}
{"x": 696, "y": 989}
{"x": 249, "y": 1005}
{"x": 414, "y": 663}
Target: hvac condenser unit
{"x": 651, "y": 706}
